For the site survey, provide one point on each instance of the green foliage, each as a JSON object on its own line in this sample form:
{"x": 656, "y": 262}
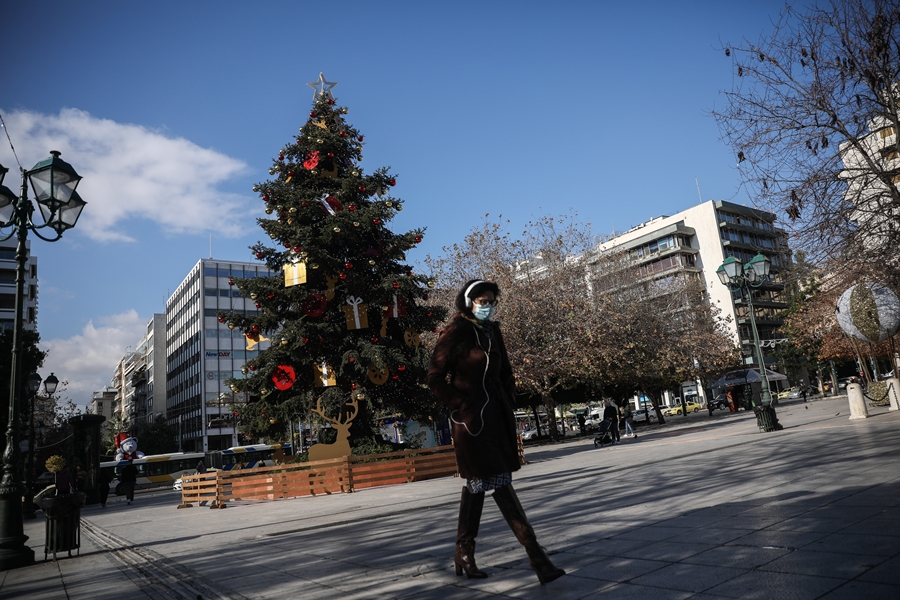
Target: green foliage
{"x": 55, "y": 463}
{"x": 332, "y": 217}
{"x": 156, "y": 437}
{"x": 32, "y": 358}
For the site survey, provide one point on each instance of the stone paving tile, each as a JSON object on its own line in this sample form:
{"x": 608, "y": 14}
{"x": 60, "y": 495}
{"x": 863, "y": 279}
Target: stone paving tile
{"x": 854, "y": 590}
{"x": 808, "y": 524}
{"x": 666, "y": 551}
{"x": 778, "y": 539}
{"x": 842, "y": 512}
{"x": 629, "y": 591}
{"x": 608, "y": 547}
{"x": 877, "y": 525}
{"x": 617, "y": 569}
{"x": 886, "y": 572}
{"x": 775, "y": 512}
{"x": 775, "y": 586}
{"x": 739, "y": 557}
{"x": 852, "y": 543}
{"x": 651, "y": 534}
{"x": 824, "y": 564}
{"x": 692, "y": 521}
{"x": 712, "y": 536}
{"x": 686, "y": 577}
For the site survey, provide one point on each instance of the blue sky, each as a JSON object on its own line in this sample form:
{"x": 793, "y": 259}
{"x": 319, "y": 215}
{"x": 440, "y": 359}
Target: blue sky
{"x": 173, "y": 110}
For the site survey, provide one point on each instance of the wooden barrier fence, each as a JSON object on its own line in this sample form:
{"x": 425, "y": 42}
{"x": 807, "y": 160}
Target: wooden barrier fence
{"x": 344, "y": 474}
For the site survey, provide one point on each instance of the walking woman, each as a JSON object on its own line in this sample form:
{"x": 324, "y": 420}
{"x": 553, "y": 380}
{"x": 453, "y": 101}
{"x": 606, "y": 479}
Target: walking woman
{"x": 470, "y": 373}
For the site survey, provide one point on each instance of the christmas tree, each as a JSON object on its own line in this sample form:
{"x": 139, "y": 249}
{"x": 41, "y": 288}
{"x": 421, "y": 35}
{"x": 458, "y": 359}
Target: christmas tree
{"x": 342, "y": 319}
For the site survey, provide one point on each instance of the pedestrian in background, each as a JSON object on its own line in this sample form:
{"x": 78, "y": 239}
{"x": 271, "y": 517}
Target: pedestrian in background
{"x": 611, "y": 413}
{"x": 129, "y": 480}
{"x": 471, "y": 374}
{"x": 629, "y": 421}
{"x": 103, "y": 486}
{"x": 65, "y": 482}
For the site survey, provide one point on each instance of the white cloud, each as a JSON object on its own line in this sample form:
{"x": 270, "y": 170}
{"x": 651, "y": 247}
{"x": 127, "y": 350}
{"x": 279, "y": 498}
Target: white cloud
{"x": 88, "y": 360}
{"x": 131, "y": 172}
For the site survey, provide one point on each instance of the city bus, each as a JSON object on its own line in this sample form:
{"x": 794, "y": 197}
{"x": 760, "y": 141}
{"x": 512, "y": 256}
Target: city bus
{"x": 247, "y": 456}
{"x": 160, "y": 470}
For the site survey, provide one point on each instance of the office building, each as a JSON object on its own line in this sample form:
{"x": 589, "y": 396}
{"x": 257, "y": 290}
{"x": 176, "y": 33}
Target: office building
{"x": 695, "y": 242}
{"x": 202, "y": 353}
{"x": 8, "y": 286}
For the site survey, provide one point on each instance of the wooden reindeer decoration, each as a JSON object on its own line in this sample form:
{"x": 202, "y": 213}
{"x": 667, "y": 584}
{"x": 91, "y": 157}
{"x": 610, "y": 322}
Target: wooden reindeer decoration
{"x": 341, "y": 446}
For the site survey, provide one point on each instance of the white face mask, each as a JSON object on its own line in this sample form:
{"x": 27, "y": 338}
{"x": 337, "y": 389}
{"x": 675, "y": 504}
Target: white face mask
{"x": 482, "y": 313}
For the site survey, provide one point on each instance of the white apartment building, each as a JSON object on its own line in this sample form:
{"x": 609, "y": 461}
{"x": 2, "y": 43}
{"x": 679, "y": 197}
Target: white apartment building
{"x": 695, "y": 242}
{"x": 8, "y": 286}
{"x": 146, "y": 396}
{"x": 202, "y": 353}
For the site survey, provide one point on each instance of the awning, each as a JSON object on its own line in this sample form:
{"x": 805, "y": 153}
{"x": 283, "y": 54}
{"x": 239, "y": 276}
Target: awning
{"x": 744, "y": 376}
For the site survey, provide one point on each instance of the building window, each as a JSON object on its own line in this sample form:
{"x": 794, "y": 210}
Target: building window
{"x": 887, "y": 132}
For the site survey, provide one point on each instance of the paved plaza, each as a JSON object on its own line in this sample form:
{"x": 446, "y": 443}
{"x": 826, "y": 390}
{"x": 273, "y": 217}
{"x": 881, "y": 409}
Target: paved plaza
{"x": 704, "y": 508}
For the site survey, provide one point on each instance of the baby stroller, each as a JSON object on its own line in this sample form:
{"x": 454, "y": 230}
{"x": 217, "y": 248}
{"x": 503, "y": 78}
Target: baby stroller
{"x": 604, "y": 434}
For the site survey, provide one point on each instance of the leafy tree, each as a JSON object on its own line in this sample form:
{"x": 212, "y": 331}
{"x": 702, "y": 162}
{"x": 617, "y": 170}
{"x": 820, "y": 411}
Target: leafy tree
{"x": 32, "y": 358}
{"x": 813, "y": 119}
{"x": 156, "y": 436}
{"x": 349, "y": 328}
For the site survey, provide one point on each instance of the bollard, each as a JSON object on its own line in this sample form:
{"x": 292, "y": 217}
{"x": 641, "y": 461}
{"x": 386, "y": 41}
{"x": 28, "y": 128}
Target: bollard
{"x": 894, "y": 392}
{"x": 858, "y": 408}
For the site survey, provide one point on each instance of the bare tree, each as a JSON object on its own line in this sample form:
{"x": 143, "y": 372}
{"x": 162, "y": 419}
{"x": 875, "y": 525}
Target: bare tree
{"x": 812, "y": 117}
{"x": 574, "y": 317}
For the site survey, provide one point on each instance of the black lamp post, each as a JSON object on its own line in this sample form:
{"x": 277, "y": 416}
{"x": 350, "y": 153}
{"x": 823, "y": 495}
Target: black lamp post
{"x": 53, "y": 181}
{"x": 34, "y": 384}
{"x": 739, "y": 277}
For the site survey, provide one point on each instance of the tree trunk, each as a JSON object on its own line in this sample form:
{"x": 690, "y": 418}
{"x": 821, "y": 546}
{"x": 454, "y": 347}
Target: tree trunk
{"x": 550, "y": 405}
{"x": 654, "y": 401}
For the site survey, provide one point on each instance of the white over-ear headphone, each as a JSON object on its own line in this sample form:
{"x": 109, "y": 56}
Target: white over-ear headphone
{"x": 469, "y": 289}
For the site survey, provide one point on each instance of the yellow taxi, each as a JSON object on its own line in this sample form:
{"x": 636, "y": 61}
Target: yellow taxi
{"x": 689, "y": 406}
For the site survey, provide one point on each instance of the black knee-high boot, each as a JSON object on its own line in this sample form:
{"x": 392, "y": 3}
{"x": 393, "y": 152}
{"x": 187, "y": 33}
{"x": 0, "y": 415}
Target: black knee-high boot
{"x": 470, "y": 506}
{"x": 515, "y": 516}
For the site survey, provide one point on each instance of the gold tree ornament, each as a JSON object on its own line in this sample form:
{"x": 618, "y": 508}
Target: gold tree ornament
{"x": 341, "y": 446}
{"x": 412, "y": 338}
{"x": 378, "y": 375}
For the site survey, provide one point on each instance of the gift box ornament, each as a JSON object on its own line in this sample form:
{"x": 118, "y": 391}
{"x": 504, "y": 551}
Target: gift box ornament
{"x": 324, "y": 375}
{"x": 397, "y": 307}
{"x": 294, "y": 273}
{"x": 356, "y": 313}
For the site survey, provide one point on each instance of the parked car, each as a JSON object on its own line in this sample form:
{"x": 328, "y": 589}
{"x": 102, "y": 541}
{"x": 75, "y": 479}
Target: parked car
{"x": 643, "y": 415}
{"x": 844, "y": 381}
{"x": 719, "y": 402}
{"x": 530, "y": 434}
{"x": 797, "y": 391}
{"x": 46, "y": 478}
{"x": 689, "y": 406}
{"x": 784, "y": 393}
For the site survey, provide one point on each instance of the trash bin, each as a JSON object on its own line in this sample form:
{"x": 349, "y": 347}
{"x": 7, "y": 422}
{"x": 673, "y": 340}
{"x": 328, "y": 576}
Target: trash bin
{"x": 766, "y": 418}
{"x": 63, "y": 515}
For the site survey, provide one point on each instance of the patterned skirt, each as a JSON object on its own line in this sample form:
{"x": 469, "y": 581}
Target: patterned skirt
{"x": 479, "y": 485}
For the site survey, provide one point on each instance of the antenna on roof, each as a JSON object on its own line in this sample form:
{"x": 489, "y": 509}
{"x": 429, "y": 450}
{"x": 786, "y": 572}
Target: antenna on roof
{"x": 210, "y": 246}
{"x": 697, "y": 181}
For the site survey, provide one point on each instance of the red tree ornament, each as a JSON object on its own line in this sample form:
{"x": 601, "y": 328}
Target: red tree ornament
{"x": 314, "y": 306}
{"x": 396, "y": 285}
{"x": 418, "y": 238}
{"x": 376, "y": 221}
{"x": 374, "y": 340}
{"x": 351, "y": 207}
{"x": 360, "y": 138}
{"x": 312, "y": 161}
{"x": 259, "y": 255}
{"x": 284, "y": 377}
{"x": 221, "y": 319}
{"x": 342, "y": 276}
{"x": 392, "y": 181}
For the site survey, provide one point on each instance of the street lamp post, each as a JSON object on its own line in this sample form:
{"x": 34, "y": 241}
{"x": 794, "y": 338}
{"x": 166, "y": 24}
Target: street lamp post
{"x": 739, "y": 277}
{"x": 34, "y": 384}
{"x": 53, "y": 181}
